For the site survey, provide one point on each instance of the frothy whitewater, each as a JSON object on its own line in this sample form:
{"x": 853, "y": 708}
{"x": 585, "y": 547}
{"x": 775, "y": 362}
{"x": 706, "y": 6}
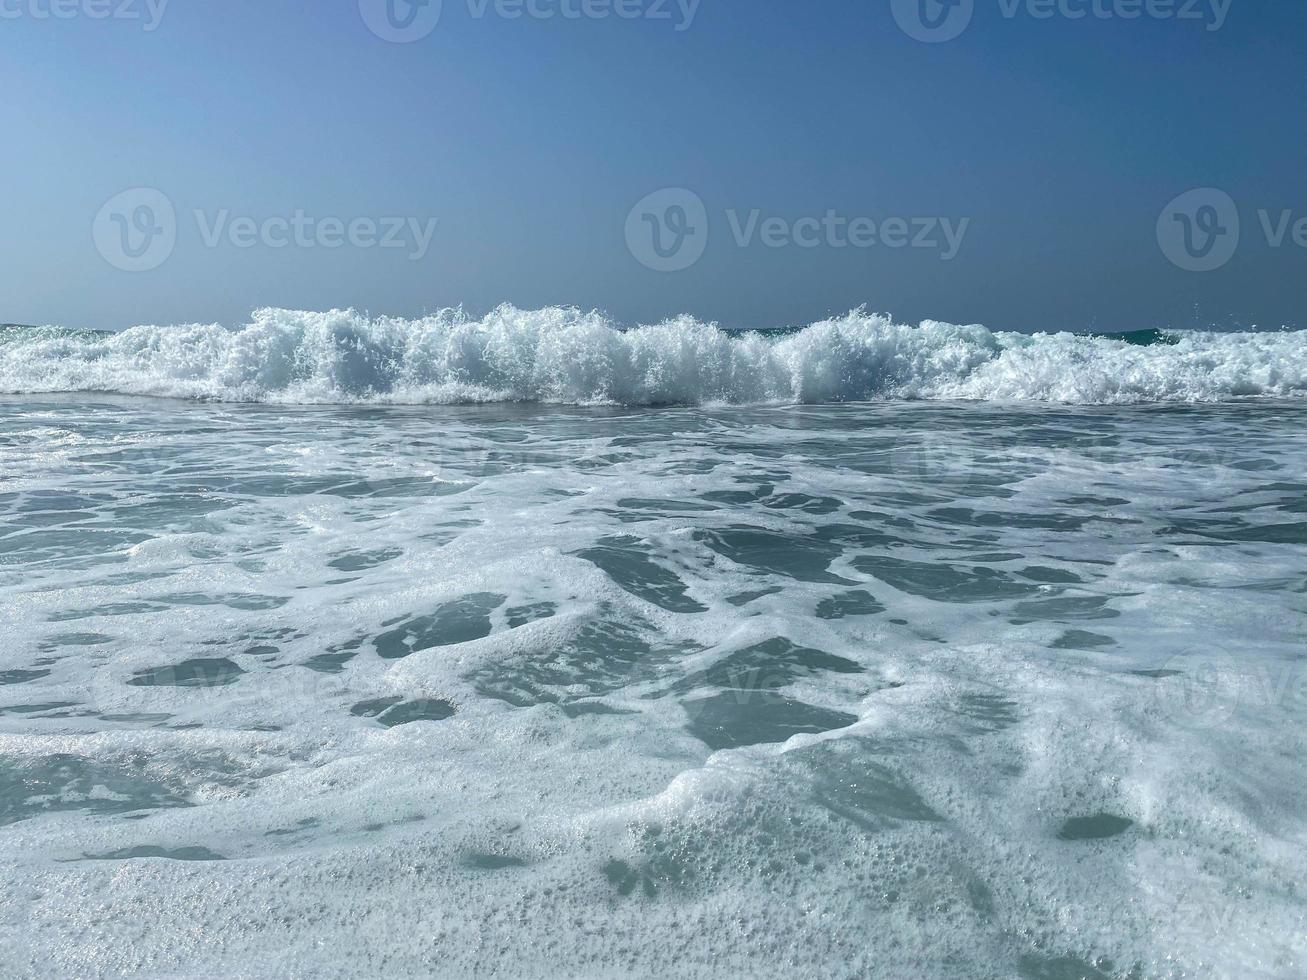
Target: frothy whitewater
{"x": 565, "y": 356}
{"x": 991, "y": 688}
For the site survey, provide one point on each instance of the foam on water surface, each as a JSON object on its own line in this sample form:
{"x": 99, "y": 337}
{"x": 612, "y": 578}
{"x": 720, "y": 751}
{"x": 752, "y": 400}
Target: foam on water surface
{"x": 890, "y": 689}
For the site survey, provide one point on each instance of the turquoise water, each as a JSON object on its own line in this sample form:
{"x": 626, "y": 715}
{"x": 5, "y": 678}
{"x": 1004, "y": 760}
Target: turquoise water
{"x": 879, "y": 689}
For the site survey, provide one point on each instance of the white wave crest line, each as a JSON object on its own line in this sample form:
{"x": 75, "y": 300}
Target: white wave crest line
{"x": 566, "y": 356}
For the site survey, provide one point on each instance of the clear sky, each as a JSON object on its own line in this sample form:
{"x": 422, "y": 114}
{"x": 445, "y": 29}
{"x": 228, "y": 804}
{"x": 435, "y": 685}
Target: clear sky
{"x": 1059, "y": 139}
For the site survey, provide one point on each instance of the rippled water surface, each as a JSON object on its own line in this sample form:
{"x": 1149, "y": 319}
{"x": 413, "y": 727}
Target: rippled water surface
{"x": 891, "y": 689}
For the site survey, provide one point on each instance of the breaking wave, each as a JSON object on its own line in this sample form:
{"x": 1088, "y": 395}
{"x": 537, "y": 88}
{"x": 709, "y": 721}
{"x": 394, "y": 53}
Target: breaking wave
{"x": 567, "y": 356}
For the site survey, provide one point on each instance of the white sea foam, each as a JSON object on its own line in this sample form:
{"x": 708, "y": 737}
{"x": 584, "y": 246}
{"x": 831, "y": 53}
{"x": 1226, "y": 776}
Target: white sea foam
{"x": 566, "y": 356}
{"x": 1026, "y": 700}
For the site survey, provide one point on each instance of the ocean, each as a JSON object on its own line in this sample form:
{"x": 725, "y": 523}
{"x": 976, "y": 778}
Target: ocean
{"x": 347, "y": 646}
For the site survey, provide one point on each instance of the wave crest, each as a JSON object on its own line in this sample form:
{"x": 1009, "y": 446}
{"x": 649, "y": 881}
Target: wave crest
{"x": 567, "y": 356}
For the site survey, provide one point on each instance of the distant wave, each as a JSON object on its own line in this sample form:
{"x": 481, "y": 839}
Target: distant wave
{"x": 567, "y": 356}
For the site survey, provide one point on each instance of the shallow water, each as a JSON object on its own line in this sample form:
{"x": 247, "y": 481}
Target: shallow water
{"x": 889, "y": 689}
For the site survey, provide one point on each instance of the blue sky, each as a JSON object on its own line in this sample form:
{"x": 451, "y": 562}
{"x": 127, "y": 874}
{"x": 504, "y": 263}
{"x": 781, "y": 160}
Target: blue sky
{"x": 528, "y": 141}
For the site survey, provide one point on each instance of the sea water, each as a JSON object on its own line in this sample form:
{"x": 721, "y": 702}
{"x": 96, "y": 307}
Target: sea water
{"x": 531, "y": 646}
